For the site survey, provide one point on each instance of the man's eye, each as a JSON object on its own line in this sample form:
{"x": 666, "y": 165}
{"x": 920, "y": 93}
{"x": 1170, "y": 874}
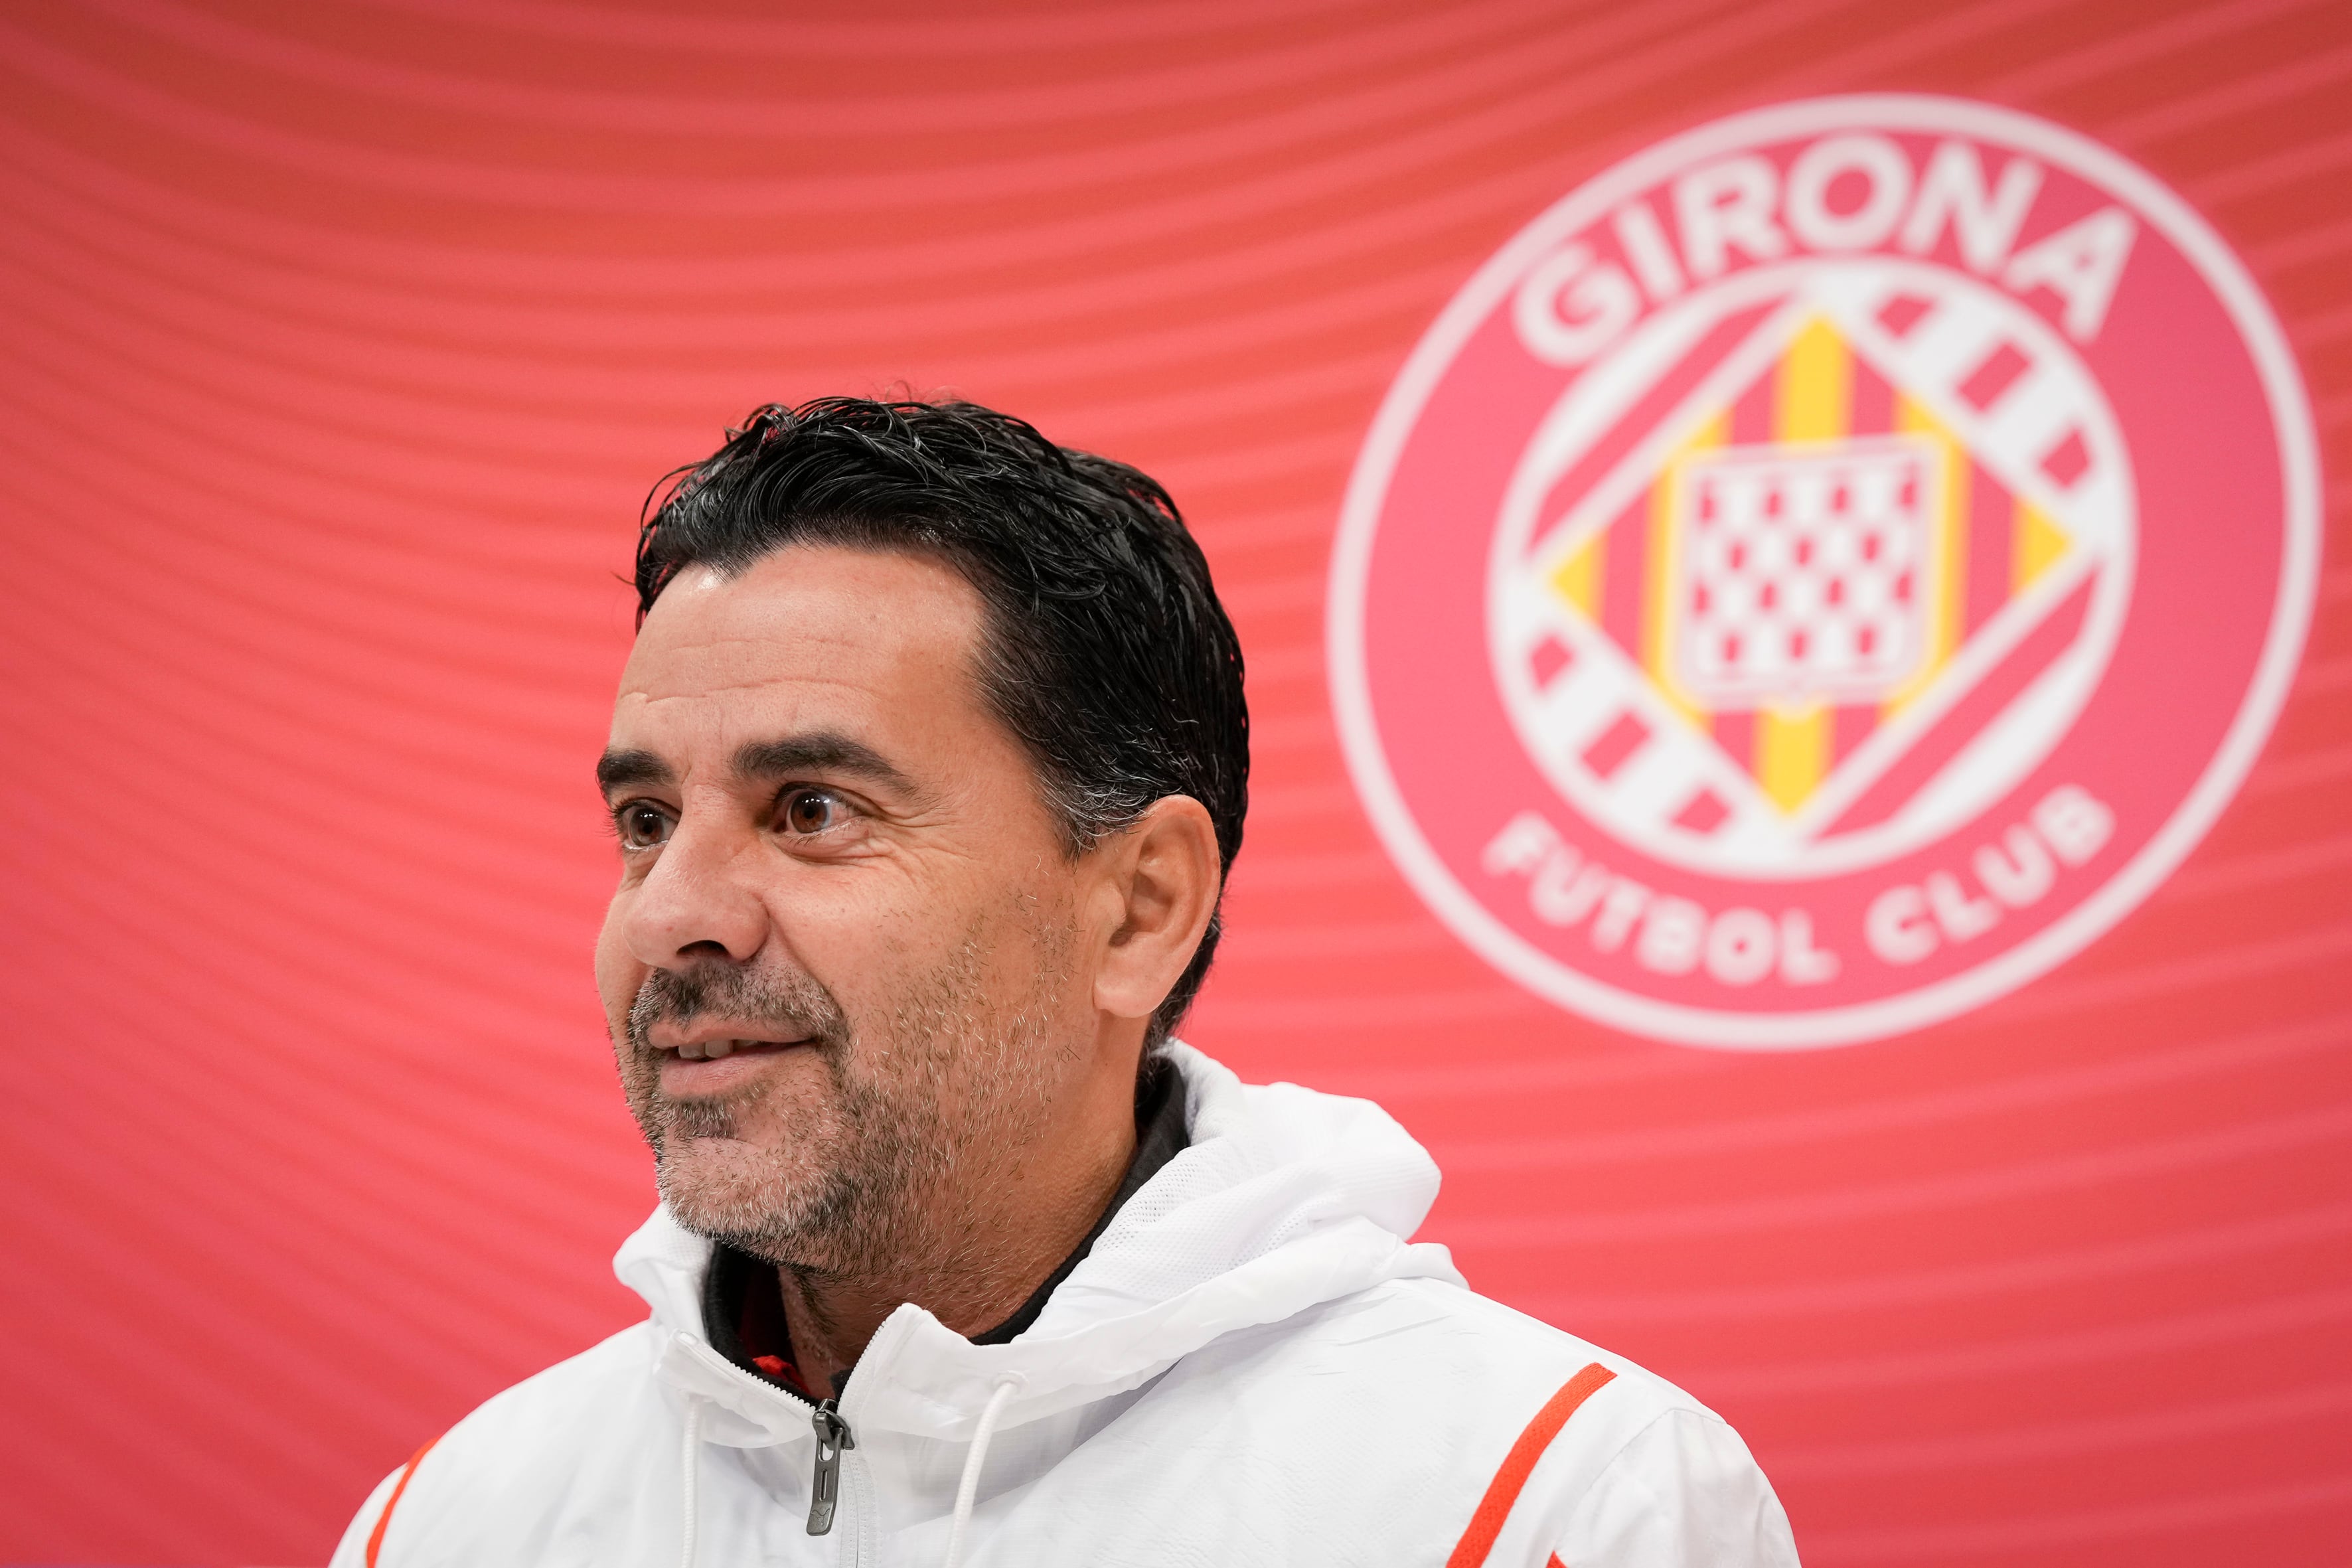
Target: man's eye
{"x": 811, "y": 811}
{"x": 641, "y": 825}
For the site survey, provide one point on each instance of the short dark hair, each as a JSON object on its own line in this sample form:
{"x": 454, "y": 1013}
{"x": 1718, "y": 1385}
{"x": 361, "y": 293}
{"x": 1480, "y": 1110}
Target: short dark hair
{"x": 1105, "y": 651}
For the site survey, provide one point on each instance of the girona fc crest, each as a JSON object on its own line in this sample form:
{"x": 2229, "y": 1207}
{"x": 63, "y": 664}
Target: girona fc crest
{"x": 1824, "y": 572}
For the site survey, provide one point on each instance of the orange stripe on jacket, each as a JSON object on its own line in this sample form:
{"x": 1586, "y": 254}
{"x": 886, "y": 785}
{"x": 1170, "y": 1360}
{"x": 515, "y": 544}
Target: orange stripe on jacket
{"x": 375, "y": 1536}
{"x": 1518, "y": 1465}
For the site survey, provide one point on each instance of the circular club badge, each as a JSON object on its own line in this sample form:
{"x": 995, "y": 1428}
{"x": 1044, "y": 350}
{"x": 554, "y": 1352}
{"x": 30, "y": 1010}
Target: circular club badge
{"x": 1824, "y": 572}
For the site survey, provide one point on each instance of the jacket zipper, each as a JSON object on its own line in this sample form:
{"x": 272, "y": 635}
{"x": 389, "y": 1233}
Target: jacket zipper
{"x": 833, "y": 1435}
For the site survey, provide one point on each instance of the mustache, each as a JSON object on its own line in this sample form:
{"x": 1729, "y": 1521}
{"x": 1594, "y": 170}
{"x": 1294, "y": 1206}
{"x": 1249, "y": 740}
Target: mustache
{"x": 790, "y": 1002}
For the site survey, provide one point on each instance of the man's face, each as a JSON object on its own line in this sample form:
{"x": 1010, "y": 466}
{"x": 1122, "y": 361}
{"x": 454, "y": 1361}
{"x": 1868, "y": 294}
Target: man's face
{"x": 840, "y": 969}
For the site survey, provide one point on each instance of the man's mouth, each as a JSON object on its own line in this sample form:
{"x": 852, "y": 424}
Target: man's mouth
{"x": 705, "y": 1064}
{"x": 714, "y": 1050}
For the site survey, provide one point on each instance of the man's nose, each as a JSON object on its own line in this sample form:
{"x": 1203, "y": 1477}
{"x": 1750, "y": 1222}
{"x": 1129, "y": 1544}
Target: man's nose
{"x": 701, "y": 900}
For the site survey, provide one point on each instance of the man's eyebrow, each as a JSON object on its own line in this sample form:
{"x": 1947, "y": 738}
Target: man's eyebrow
{"x": 822, "y": 752}
{"x": 618, "y": 769}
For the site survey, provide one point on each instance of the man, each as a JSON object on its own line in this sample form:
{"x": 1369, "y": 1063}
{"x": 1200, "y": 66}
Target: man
{"x": 926, "y": 771}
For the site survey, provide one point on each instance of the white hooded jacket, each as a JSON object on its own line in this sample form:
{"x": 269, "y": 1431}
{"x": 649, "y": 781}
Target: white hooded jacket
{"x": 1252, "y": 1365}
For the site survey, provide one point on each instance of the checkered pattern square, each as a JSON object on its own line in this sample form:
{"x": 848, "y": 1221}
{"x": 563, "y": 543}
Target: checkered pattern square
{"x": 1800, "y": 571}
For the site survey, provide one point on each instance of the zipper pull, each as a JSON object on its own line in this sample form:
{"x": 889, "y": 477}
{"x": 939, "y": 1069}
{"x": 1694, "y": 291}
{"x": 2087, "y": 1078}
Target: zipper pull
{"x": 825, "y": 1485}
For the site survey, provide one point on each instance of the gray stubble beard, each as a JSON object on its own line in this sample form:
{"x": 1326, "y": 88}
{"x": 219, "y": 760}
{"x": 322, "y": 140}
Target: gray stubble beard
{"x": 891, "y": 1188}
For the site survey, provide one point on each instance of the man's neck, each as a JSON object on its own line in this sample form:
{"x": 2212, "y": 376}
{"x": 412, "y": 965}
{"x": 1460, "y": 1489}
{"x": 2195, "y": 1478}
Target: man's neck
{"x": 980, "y": 1269}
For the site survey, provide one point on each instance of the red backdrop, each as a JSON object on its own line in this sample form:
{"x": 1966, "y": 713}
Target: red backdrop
{"x": 343, "y": 341}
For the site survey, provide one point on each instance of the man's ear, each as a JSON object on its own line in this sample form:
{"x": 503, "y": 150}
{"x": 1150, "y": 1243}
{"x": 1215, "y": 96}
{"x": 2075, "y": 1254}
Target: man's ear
{"x": 1161, "y": 885}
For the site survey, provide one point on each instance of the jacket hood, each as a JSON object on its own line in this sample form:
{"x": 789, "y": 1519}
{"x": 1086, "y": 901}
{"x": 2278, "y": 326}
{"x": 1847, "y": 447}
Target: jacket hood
{"x": 1285, "y": 1199}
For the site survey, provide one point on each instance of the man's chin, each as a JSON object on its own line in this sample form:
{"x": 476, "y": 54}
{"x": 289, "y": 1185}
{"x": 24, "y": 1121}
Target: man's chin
{"x": 731, "y": 1191}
